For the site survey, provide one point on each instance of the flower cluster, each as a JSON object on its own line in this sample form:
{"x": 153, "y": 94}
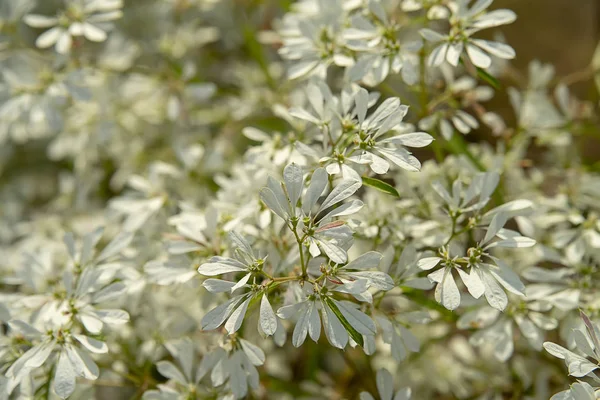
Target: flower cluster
{"x": 313, "y": 199}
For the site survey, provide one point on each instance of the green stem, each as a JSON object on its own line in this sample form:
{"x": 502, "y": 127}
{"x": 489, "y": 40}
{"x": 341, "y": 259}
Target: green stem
{"x": 453, "y": 233}
{"x": 285, "y": 279}
{"x": 300, "y": 241}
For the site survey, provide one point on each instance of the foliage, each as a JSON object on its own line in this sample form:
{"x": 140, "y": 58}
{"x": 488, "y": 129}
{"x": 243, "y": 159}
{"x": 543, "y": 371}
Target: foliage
{"x": 191, "y": 189}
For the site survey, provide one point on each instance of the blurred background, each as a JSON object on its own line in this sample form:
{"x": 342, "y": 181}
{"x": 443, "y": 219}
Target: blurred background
{"x": 562, "y": 32}
{"x": 565, "y": 33}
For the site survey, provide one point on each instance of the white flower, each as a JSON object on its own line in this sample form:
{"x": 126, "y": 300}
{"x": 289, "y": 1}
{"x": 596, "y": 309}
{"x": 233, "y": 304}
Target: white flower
{"x": 34, "y": 97}
{"x": 81, "y": 18}
{"x": 69, "y": 358}
{"x": 464, "y": 22}
{"x": 341, "y": 320}
{"x": 312, "y": 39}
{"x": 235, "y": 365}
{"x": 579, "y": 366}
{"x": 233, "y": 311}
{"x": 381, "y": 52}
{"x": 357, "y": 138}
{"x": 316, "y": 226}
{"x": 578, "y": 391}
{"x": 148, "y": 196}
{"x": 498, "y": 328}
{"x": 483, "y": 278}
{"x": 185, "y": 376}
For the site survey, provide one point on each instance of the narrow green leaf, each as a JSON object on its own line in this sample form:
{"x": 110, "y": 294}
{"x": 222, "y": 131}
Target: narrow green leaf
{"x": 491, "y": 80}
{"x": 481, "y": 74}
{"x": 381, "y": 186}
{"x": 354, "y": 334}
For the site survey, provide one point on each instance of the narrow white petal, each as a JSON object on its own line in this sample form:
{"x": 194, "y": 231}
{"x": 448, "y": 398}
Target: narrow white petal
{"x": 93, "y": 33}
{"x": 49, "y": 38}
{"x": 268, "y": 320}
{"x": 478, "y": 56}
{"x": 64, "y": 43}
{"x": 40, "y": 21}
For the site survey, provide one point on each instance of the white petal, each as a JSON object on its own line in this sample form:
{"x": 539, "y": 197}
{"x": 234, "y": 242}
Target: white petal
{"x": 118, "y": 244}
{"x": 454, "y": 52}
{"x": 170, "y": 371}
{"x": 314, "y": 322}
{"x": 497, "y": 49}
{"x": 241, "y": 283}
{"x": 447, "y": 291}
{"x": 335, "y": 253}
{"x": 428, "y": 263}
{"x": 342, "y": 191}
{"x": 495, "y": 18}
{"x": 334, "y": 330}
{"x": 508, "y": 278}
{"x": 317, "y": 184}
{"x": 479, "y": 6}
{"x": 368, "y": 260}
{"x": 385, "y": 384}
{"x": 401, "y": 158}
{"x": 493, "y": 292}
{"x": 64, "y": 43}
{"x": 438, "y": 55}
{"x": 472, "y": 282}
{"x": 218, "y": 285}
{"x": 292, "y": 177}
{"x": 49, "y": 38}
{"x": 93, "y": 33}
{"x": 76, "y": 29}
{"x": 431, "y": 35}
{"x": 253, "y": 352}
{"x": 268, "y": 320}
{"x": 359, "y": 320}
{"x": 301, "y": 328}
{"x": 415, "y": 139}
{"x": 234, "y": 322}
{"x": 40, "y": 21}
{"x": 301, "y": 68}
{"x": 215, "y": 317}
{"x": 221, "y": 265}
{"x": 82, "y": 363}
{"x": 64, "y": 377}
{"x": 478, "y": 57}
{"x": 93, "y": 345}
{"x": 270, "y": 199}
{"x": 497, "y": 223}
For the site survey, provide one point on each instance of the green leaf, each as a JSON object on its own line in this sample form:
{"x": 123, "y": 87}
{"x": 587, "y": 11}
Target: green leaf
{"x": 481, "y": 74}
{"x": 354, "y": 334}
{"x": 491, "y": 80}
{"x": 381, "y": 186}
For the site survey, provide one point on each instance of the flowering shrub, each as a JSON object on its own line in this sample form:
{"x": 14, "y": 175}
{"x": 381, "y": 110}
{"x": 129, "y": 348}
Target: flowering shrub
{"x": 320, "y": 199}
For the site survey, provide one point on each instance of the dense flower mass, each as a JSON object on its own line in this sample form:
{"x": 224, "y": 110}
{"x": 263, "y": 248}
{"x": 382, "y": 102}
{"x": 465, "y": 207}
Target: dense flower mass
{"x": 311, "y": 199}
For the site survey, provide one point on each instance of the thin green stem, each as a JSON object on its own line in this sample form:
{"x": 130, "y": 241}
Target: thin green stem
{"x": 453, "y": 232}
{"x": 285, "y": 279}
{"x": 300, "y": 241}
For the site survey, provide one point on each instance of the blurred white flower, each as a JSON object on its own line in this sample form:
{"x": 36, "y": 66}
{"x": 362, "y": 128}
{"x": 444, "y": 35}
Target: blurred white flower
{"x": 464, "y": 22}
{"x": 88, "y": 18}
